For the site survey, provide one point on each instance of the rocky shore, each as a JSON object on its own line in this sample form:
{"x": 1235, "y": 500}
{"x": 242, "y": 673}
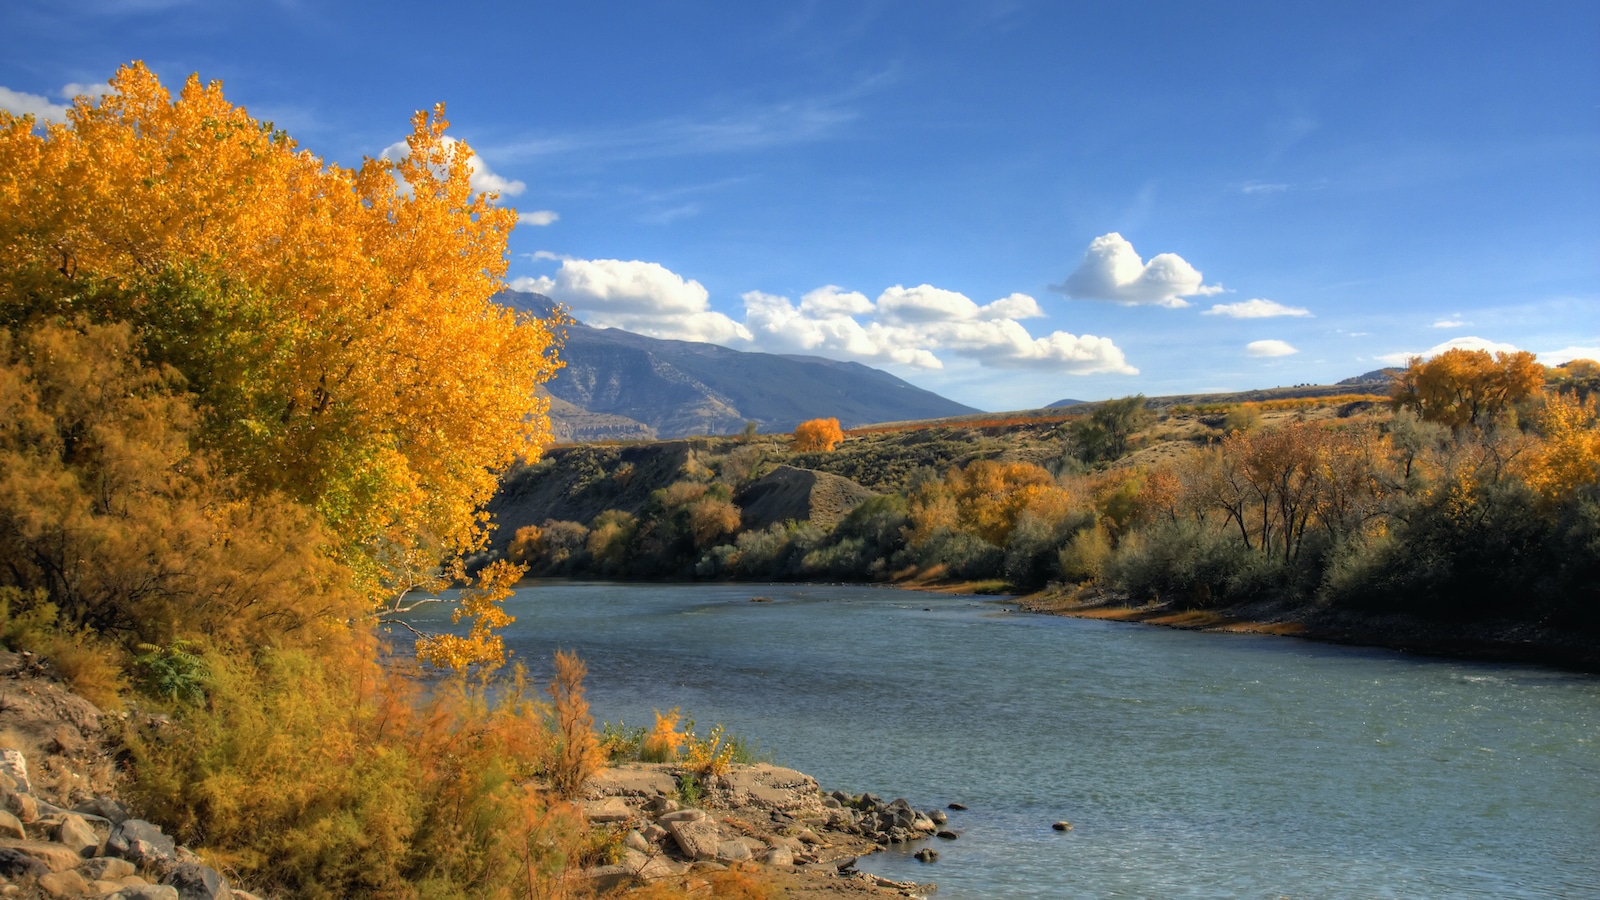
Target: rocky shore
{"x": 64, "y": 833}
{"x": 756, "y": 815}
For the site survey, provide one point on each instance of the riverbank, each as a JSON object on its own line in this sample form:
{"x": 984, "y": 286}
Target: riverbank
{"x": 1504, "y": 641}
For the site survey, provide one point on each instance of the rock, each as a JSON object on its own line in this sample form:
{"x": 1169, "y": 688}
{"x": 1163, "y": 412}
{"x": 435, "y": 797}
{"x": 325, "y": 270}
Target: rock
{"x": 766, "y": 786}
{"x": 104, "y": 808}
{"x": 16, "y": 864}
{"x": 624, "y": 781}
{"x": 75, "y": 833}
{"x": 683, "y": 815}
{"x": 807, "y": 836}
{"x": 55, "y": 856}
{"x": 831, "y": 803}
{"x": 15, "y": 767}
{"x": 938, "y": 816}
{"x": 660, "y": 805}
{"x": 699, "y": 839}
{"x": 633, "y": 840}
{"x": 779, "y": 856}
{"x": 654, "y": 833}
{"x": 651, "y": 866}
{"x": 11, "y": 827}
{"x": 21, "y": 805}
{"x": 926, "y": 855}
{"x": 605, "y": 879}
{"x": 1062, "y": 826}
{"x": 139, "y": 842}
{"x": 64, "y": 884}
{"x": 147, "y": 892}
{"x": 608, "y": 810}
{"x": 924, "y": 824}
{"x": 733, "y": 851}
{"x": 947, "y": 835}
{"x": 107, "y": 868}
{"x": 100, "y": 887}
{"x": 955, "y": 806}
{"x": 197, "y": 882}
{"x": 244, "y": 895}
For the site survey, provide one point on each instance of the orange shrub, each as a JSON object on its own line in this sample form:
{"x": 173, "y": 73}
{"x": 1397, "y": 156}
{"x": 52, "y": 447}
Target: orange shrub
{"x": 817, "y": 436}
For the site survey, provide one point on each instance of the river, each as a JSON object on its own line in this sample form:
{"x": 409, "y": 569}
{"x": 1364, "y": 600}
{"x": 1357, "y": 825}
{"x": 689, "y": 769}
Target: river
{"x": 1191, "y": 765}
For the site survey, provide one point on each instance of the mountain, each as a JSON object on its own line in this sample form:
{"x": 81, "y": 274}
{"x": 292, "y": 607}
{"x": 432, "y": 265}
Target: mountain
{"x": 680, "y": 388}
{"x": 1060, "y": 403}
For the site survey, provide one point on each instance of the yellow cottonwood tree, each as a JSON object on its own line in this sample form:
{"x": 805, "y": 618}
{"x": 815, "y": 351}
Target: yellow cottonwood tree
{"x": 335, "y": 324}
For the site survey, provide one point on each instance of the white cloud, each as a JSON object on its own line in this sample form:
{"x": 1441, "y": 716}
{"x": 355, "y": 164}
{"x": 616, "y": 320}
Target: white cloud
{"x": 20, "y": 104}
{"x": 92, "y": 91}
{"x": 538, "y": 217}
{"x": 913, "y": 325}
{"x": 1269, "y": 348}
{"x": 1450, "y": 323}
{"x": 1255, "y": 309}
{"x": 822, "y": 324}
{"x": 1460, "y": 343}
{"x": 830, "y": 299}
{"x": 480, "y": 178}
{"x": 1112, "y": 270}
{"x": 1568, "y": 354}
{"x": 905, "y": 326}
{"x": 1263, "y": 187}
{"x": 643, "y": 297}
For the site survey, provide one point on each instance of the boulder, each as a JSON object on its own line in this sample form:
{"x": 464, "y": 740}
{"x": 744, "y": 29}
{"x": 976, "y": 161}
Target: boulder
{"x": 64, "y": 884}
{"x": 197, "y": 882}
{"x": 140, "y": 843}
{"x": 146, "y": 892}
{"x": 607, "y": 810}
{"x": 57, "y": 857}
{"x": 16, "y": 864}
{"x": 11, "y": 827}
{"x": 74, "y": 832}
{"x": 21, "y": 805}
{"x": 779, "y": 856}
{"x": 1062, "y": 826}
{"x": 927, "y": 855}
{"x": 14, "y": 766}
{"x": 699, "y": 839}
{"x": 107, "y": 868}
{"x": 733, "y": 851}
{"x": 103, "y": 808}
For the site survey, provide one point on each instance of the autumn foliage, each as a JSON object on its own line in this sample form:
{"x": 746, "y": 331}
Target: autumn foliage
{"x": 817, "y": 436}
{"x": 1459, "y": 387}
{"x": 251, "y": 407}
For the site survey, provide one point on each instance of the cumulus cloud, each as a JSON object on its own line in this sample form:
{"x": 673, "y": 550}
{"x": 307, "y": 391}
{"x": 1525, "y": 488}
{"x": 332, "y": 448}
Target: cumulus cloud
{"x": 19, "y": 103}
{"x": 916, "y": 327}
{"x": 538, "y": 217}
{"x": 481, "y": 178}
{"x": 1461, "y": 343}
{"x": 1111, "y": 270}
{"x": 911, "y": 326}
{"x": 643, "y": 297}
{"x": 1255, "y": 309}
{"x": 1269, "y": 348}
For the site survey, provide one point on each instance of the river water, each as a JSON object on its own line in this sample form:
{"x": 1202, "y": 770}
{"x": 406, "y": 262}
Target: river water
{"x": 1191, "y": 765}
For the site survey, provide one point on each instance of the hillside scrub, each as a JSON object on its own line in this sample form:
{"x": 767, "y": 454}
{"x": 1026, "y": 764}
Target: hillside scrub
{"x": 1344, "y": 505}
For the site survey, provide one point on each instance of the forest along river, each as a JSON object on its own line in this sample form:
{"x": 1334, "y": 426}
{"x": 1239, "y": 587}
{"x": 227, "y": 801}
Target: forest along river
{"x": 1191, "y": 765}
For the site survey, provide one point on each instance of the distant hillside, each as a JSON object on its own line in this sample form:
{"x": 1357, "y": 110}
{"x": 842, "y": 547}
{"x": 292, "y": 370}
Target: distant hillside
{"x": 1060, "y": 403}
{"x": 680, "y": 388}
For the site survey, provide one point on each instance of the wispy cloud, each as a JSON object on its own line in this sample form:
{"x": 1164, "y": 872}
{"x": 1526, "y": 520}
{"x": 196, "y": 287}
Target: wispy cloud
{"x": 1263, "y": 187}
{"x": 538, "y": 217}
{"x": 1255, "y": 309}
{"x": 1450, "y": 323}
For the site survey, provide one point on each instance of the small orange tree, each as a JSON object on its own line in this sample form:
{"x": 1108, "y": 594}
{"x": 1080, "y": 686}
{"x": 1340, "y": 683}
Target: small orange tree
{"x": 817, "y": 436}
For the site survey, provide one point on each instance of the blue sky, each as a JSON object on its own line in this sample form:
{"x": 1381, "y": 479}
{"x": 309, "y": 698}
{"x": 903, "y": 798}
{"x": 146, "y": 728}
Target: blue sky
{"x": 1007, "y": 203}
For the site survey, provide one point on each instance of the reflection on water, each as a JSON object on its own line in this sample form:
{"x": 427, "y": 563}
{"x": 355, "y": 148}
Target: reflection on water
{"x": 1192, "y": 765}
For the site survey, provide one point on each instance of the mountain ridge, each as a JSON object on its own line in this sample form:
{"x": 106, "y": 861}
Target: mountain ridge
{"x": 682, "y": 388}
